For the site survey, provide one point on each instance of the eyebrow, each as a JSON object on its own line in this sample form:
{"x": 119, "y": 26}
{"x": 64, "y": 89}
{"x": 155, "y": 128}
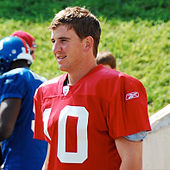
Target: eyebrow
{"x": 66, "y": 38}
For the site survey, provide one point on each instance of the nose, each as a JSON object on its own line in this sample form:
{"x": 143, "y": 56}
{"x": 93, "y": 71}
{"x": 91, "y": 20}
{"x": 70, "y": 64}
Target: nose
{"x": 56, "y": 47}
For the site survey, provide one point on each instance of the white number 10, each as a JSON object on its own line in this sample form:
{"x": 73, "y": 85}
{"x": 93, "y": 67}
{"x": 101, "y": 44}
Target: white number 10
{"x": 82, "y": 145}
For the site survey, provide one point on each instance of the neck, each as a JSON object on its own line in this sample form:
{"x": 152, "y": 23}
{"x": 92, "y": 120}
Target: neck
{"x": 19, "y": 64}
{"x": 73, "y": 78}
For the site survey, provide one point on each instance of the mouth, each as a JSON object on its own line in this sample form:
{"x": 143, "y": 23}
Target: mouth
{"x": 59, "y": 58}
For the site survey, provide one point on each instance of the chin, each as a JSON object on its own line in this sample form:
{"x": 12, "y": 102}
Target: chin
{"x": 63, "y": 68}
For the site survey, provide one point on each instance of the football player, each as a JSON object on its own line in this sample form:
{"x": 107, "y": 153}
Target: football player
{"x": 93, "y": 118}
{"x": 17, "y": 87}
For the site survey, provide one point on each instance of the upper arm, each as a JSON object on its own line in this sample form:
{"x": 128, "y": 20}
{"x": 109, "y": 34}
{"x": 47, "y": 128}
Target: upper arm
{"x": 9, "y": 111}
{"x": 130, "y": 153}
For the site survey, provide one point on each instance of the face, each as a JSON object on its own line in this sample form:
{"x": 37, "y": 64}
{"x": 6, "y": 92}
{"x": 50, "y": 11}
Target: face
{"x": 67, "y": 48}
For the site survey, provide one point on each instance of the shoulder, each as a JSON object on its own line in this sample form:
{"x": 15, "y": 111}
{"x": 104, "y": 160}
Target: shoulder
{"x": 130, "y": 82}
{"x": 38, "y": 77}
{"x": 51, "y": 82}
{"x": 51, "y": 87}
{"x": 22, "y": 77}
{"x": 14, "y": 72}
{"x": 110, "y": 76}
{"x": 18, "y": 73}
{"x": 25, "y": 74}
{"x": 13, "y": 84}
{"x": 111, "y": 82}
{"x": 121, "y": 78}
{"x": 13, "y": 76}
{"x": 129, "y": 86}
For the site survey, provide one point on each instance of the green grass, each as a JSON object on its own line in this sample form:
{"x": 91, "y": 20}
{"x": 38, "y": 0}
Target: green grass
{"x": 137, "y": 32}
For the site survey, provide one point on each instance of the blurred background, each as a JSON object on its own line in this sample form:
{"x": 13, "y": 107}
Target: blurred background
{"x": 137, "y": 32}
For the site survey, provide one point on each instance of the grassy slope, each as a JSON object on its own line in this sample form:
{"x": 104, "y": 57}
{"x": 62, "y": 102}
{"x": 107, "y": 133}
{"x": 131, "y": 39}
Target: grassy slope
{"x": 137, "y": 32}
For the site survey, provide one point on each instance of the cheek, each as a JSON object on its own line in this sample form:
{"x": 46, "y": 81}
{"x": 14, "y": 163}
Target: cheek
{"x": 65, "y": 46}
{"x": 53, "y": 48}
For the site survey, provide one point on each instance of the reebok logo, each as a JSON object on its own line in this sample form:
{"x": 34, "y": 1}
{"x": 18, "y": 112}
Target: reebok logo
{"x": 132, "y": 95}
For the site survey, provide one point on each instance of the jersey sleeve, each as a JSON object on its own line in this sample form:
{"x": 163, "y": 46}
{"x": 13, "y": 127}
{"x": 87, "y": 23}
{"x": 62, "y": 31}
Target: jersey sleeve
{"x": 12, "y": 86}
{"x": 39, "y": 129}
{"x": 128, "y": 113}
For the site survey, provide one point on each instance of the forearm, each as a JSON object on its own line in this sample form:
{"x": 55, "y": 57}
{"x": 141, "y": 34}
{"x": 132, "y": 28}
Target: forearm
{"x": 9, "y": 111}
{"x": 131, "y": 164}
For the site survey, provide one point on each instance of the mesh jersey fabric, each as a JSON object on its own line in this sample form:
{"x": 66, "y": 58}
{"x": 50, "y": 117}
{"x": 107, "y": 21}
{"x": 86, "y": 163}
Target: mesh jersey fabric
{"x": 82, "y": 125}
{"x": 20, "y": 151}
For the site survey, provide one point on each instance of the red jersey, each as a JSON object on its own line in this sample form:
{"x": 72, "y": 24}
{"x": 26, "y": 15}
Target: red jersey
{"x": 82, "y": 125}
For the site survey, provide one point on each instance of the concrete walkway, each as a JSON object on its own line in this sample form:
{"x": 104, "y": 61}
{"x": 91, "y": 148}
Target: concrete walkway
{"x": 156, "y": 146}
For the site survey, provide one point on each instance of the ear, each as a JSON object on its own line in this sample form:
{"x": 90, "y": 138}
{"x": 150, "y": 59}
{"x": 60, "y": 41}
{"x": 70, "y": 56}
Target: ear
{"x": 88, "y": 43}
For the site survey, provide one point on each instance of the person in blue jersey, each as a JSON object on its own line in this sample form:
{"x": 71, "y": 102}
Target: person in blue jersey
{"x": 17, "y": 87}
{"x": 30, "y": 40}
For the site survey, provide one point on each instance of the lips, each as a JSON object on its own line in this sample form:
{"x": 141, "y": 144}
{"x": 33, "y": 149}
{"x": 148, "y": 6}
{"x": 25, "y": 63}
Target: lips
{"x": 59, "y": 58}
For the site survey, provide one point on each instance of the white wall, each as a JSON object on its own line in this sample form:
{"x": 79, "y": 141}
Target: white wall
{"x": 156, "y": 146}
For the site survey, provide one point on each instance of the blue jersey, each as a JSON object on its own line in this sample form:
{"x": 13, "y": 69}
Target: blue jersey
{"x": 20, "y": 151}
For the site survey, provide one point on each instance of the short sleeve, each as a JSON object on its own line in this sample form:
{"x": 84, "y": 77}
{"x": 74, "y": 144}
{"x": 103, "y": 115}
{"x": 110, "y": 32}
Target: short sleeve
{"x": 39, "y": 129}
{"x": 128, "y": 112}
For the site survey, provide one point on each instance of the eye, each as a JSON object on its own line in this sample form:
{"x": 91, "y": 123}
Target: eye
{"x": 63, "y": 40}
{"x": 53, "y": 41}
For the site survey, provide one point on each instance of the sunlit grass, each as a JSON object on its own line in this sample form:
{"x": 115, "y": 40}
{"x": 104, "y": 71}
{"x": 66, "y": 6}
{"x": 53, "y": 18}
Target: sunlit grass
{"x": 140, "y": 44}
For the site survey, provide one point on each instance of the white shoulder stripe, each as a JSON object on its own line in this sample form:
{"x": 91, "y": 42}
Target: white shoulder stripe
{"x": 46, "y": 115}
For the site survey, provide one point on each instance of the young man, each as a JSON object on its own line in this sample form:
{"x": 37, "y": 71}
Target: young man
{"x": 17, "y": 87}
{"x": 107, "y": 59}
{"x": 92, "y": 117}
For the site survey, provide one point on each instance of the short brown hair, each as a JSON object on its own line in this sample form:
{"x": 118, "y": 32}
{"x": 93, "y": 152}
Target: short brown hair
{"x": 106, "y": 58}
{"x": 82, "y": 21}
